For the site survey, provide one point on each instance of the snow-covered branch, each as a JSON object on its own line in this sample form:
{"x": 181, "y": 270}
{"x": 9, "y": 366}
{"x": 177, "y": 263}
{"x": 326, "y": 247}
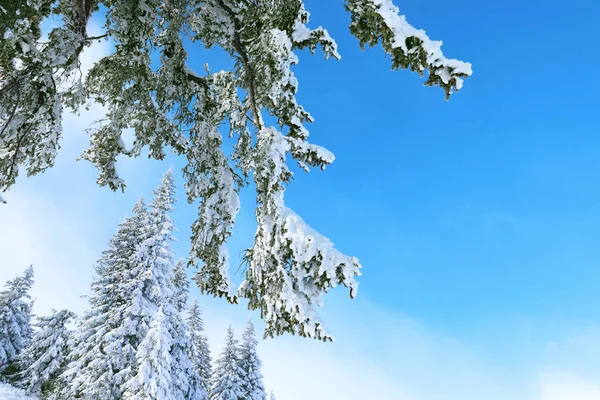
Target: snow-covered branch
{"x": 375, "y": 21}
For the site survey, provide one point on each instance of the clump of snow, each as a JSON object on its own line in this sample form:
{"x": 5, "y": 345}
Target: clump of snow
{"x": 8, "y": 392}
{"x": 403, "y": 30}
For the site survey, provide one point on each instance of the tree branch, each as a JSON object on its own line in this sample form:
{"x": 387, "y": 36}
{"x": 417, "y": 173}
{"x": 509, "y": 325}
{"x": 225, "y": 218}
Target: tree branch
{"x": 90, "y": 38}
{"x": 237, "y": 44}
{"x": 196, "y": 79}
{"x": 12, "y": 113}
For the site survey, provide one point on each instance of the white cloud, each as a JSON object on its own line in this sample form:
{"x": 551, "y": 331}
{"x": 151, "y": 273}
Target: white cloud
{"x": 379, "y": 354}
{"x": 567, "y": 386}
{"x": 382, "y": 354}
{"x": 571, "y": 370}
{"x": 304, "y": 369}
{"x": 36, "y": 231}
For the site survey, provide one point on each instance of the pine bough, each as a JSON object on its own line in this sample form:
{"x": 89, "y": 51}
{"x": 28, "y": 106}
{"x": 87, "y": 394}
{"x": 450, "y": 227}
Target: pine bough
{"x": 290, "y": 266}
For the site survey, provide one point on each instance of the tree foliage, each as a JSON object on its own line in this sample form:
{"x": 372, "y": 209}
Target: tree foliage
{"x": 290, "y": 266}
{"x": 120, "y": 345}
{"x": 44, "y": 359}
{"x": 199, "y": 349}
{"x": 227, "y": 381}
{"x": 15, "y": 322}
{"x": 253, "y": 386}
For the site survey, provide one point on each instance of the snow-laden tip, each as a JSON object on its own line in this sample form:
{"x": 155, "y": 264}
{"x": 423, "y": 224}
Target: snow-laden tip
{"x": 8, "y": 392}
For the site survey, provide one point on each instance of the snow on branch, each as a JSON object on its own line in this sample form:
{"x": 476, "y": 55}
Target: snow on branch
{"x": 379, "y": 20}
{"x": 291, "y": 266}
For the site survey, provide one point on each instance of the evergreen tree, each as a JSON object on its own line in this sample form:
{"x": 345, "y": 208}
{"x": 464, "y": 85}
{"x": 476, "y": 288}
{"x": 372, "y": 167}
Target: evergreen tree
{"x": 227, "y": 376}
{"x": 100, "y": 359}
{"x": 148, "y": 279}
{"x": 250, "y": 363}
{"x": 272, "y": 396}
{"x": 138, "y": 276}
{"x": 199, "y": 350}
{"x": 156, "y": 284}
{"x": 154, "y": 378}
{"x": 187, "y": 382}
{"x": 45, "y": 357}
{"x": 163, "y": 369}
{"x": 290, "y": 265}
{"x": 15, "y": 322}
{"x": 185, "y": 370}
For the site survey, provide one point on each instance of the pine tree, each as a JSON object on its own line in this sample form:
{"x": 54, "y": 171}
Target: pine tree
{"x": 15, "y": 322}
{"x": 187, "y": 382}
{"x": 290, "y": 265}
{"x": 159, "y": 285}
{"x": 185, "y": 341}
{"x": 272, "y": 396}
{"x": 199, "y": 350}
{"x": 154, "y": 378}
{"x": 137, "y": 274}
{"x": 250, "y": 363}
{"x": 149, "y": 275}
{"x": 45, "y": 357}
{"x": 227, "y": 376}
{"x": 99, "y": 361}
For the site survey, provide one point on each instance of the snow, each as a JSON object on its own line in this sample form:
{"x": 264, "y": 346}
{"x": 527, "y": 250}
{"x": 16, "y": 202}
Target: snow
{"x": 301, "y": 32}
{"x": 8, "y": 392}
{"x": 122, "y": 144}
{"x": 26, "y": 47}
{"x": 191, "y": 72}
{"x": 403, "y": 30}
{"x": 314, "y": 263}
{"x": 302, "y": 263}
{"x": 46, "y": 351}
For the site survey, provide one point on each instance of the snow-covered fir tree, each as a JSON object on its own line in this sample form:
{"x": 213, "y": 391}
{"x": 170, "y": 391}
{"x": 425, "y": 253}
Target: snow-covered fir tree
{"x": 137, "y": 278}
{"x": 272, "y": 396}
{"x": 290, "y": 265}
{"x": 199, "y": 349}
{"x": 153, "y": 380}
{"x": 250, "y": 363}
{"x": 185, "y": 340}
{"x": 187, "y": 382}
{"x": 44, "y": 358}
{"x": 227, "y": 376}
{"x": 149, "y": 274}
{"x": 161, "y": 286}
{"x": 164, "y": 372}
{"x": 94, "y": 370}
{"x": 15, "y": 322}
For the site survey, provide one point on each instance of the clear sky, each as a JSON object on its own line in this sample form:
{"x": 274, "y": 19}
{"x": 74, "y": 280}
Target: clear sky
{"x": 477, "y": 220}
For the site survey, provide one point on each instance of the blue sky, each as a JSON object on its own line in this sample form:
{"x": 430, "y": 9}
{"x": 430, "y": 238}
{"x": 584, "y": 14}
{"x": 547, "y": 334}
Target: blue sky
{"x": 477, "y": 220}
{"x": 479, "y": 209}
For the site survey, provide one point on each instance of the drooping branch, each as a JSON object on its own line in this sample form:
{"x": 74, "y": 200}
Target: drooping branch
{"x": 291, "y": 266}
